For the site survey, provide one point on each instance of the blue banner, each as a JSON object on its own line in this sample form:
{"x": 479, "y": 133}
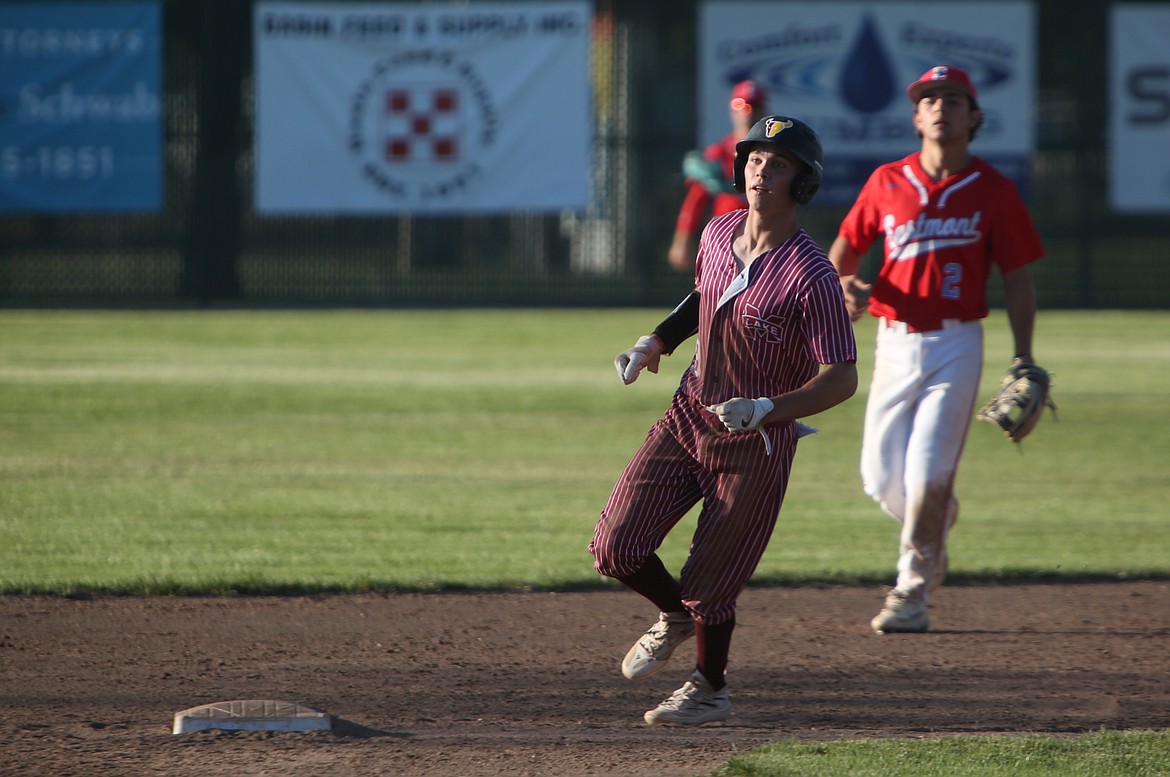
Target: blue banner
{"x": 80, "y": 107}
{"x": 843, "y": 67}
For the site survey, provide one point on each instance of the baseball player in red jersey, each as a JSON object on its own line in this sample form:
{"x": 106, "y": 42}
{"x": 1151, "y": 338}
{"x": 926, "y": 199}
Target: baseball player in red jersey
{"x": 775, "y": 343}
{"x": 947, "y": 219}
{"x": 710, "y": 176}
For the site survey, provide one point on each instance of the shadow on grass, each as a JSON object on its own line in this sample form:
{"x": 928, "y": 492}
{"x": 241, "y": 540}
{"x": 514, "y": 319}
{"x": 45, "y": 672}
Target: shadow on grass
{"x": 270, "y": 588}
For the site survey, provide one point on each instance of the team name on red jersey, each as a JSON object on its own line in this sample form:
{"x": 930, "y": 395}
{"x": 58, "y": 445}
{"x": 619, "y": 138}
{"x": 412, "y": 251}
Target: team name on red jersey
{"x": 906, "y": 241}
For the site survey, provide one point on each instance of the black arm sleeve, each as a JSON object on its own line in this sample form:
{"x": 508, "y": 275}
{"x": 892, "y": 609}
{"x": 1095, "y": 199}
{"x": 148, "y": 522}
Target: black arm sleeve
{"x": 680, "y": 324}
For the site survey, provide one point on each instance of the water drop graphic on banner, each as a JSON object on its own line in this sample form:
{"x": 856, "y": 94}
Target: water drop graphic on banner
{"x": 867, "y": 80}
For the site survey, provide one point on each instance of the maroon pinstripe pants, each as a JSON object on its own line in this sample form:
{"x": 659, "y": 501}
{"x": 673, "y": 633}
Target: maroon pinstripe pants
{"x": 689, "y": 457}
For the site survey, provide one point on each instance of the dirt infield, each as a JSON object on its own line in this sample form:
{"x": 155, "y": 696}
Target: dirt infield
{"x": 528, "y": 683}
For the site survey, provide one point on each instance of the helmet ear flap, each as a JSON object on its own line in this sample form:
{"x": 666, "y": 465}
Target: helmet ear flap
{"x": 804, "y": 187}
{"x": 740, "y": 179}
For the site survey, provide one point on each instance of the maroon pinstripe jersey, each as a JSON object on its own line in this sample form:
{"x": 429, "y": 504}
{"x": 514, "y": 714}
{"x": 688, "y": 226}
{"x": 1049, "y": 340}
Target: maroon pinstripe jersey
{"x": 771, "y": 337}
{"x": 765, "y": 339}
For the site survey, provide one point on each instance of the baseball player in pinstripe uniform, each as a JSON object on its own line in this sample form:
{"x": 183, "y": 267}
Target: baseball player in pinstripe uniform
{"x": 948, "y": 218}
{"x": 775, "y": 343}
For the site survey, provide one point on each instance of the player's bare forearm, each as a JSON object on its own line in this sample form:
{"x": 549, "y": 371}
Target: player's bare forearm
{"x": 1020, "y": 302}
{"x": 844, "y": 258}
{"x": 834, "y": 384}
{"x": 682, "y": 252}
{"x": 847, "y": 261}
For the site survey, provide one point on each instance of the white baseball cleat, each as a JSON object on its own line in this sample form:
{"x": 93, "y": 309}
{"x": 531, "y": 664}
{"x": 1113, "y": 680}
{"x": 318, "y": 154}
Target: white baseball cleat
{"x": 652, "y": 650}
{"x": 900, "y": 615}
{"x": 694, "y": 704}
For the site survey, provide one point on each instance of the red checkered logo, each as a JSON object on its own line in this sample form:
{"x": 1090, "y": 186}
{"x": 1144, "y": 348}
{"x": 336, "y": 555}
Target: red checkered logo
{"x": 420, "y": 124}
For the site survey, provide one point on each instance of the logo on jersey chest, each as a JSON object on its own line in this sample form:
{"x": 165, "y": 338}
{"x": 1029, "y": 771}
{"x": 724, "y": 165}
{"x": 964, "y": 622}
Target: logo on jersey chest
{"x": 757, "y": 325}
{"x": 924, "y": 234}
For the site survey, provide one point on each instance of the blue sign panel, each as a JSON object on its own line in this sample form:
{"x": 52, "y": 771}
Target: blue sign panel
{"x": 80, "y": 107}
{"x": 843, "y": 67}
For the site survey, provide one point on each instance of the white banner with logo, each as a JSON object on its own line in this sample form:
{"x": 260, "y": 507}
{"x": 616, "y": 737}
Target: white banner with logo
{"x": 422, "y": 108}
{"x": 843, "y": 68}
{"x": 1139, "y": 114}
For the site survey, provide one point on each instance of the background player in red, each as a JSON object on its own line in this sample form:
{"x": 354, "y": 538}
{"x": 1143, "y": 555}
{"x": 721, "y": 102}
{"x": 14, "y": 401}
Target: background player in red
{"x": 948, "y": 218}
{"x": 769, "y": 313}
{"x": 710, "y": 176}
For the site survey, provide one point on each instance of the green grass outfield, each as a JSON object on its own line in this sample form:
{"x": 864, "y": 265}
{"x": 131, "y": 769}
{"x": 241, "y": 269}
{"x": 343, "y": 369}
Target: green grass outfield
{"x": 288, "y": 452}
{"x": 163, "y": 452}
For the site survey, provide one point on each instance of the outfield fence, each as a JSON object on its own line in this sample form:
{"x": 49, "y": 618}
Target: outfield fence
{"x": 207, "y": 245}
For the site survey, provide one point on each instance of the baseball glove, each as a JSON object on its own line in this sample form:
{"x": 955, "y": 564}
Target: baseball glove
{"x": 1017, "y": 406}
{"x": 707, "y": 172}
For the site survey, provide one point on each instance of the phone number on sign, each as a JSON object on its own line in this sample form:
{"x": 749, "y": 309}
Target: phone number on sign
{"x": 57, "y": 163}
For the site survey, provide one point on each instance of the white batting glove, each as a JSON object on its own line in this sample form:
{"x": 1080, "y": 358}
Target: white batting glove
{"x": 742, "y": 415}
{"x": 645, "y": 353}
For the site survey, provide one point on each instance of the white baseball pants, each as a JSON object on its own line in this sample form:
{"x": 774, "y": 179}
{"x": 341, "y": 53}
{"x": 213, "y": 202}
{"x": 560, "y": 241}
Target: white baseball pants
{"x": 920, "y": 405}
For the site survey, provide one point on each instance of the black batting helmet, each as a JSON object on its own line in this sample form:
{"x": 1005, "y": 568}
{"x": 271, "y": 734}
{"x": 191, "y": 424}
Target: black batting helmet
{"x": 792, "y": 135}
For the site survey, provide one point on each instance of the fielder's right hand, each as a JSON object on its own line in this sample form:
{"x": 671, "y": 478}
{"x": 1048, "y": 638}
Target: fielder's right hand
{"x": 645, "y": 353}
{"x": 856, "y": 296}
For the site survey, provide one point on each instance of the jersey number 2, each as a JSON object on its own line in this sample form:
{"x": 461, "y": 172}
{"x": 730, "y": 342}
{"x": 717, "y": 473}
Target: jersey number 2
{"x": 952, "y": 276}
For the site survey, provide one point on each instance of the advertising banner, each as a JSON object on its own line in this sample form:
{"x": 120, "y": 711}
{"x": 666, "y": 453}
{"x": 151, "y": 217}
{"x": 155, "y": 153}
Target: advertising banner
{"x": 843, "y": 67}
{"x": 422, "y": 108}
{"x": 80, "y": 107}
{"x": 1139, "y": 115}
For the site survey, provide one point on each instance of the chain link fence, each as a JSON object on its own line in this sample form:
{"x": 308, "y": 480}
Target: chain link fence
{"x": 207, "y": 246}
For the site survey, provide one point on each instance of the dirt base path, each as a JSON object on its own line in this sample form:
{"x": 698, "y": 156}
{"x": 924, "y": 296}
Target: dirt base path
{"x": 529, "y": 684}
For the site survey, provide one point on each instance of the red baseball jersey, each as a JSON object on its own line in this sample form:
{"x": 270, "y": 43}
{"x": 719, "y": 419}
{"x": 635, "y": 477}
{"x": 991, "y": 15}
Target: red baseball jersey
{"x": 941, "y": 239}
{"x": 772, "y": 336}
{"x": 698, "y": 200}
